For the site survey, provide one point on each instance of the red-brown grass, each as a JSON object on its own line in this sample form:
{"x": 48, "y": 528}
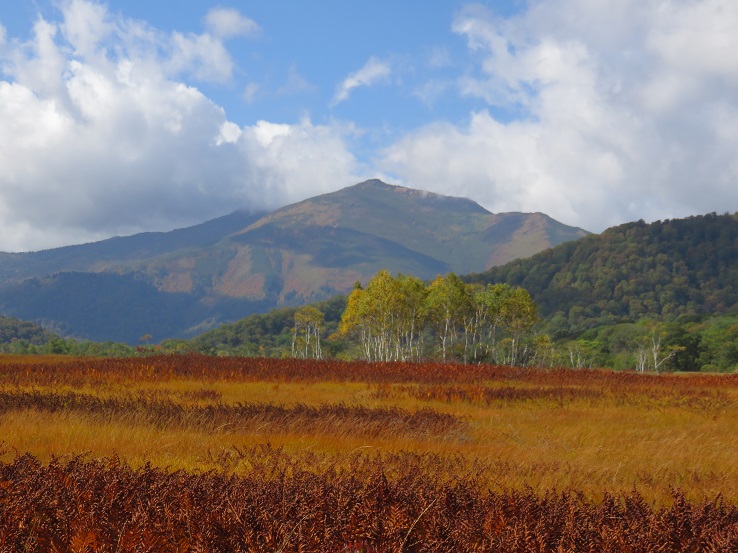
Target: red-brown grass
{"x": 104, "y": 505}
{"x": 199, "y": 367}
{"x": 465, "y": 458}
{"x": 242, "y": 417}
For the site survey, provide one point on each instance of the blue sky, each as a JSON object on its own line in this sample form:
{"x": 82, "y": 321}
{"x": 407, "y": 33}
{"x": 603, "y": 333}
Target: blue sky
{"x": 133, "y": 115}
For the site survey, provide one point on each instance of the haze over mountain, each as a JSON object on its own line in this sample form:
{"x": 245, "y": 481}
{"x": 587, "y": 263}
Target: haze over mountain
{"x": 182, "y": 282}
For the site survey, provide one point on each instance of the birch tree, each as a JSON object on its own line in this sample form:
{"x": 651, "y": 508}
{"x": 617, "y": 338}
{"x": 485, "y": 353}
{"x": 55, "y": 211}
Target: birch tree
{"x": 306, "y": 333}
{"x": 449, "y": 302}
{"x": 519, "y": 315}
{"x": 490, "y": 303}
{"x": 388, "y": 317}
{"x": 659, "y": 354}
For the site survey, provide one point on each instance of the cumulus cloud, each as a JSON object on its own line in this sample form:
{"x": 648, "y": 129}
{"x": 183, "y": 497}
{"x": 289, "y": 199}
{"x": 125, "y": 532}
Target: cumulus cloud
{"x": 595, "y": 112}
{"x": 99, "y": 135}
{"x": 619, "y": 111}
{"x": 297, "y": 161}
{"x": 372, "y": 72}
{"x": 227, "y": 23}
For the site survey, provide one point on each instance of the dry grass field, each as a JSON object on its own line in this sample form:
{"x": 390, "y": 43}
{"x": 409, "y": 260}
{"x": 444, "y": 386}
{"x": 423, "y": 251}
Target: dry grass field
{"x": 225, "y": 454}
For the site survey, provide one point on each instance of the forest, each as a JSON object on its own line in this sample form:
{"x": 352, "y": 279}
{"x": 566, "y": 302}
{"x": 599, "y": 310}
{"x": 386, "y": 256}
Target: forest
{"x": 662, "y": 270}
{"x": 402, "y": 318}
{"x": 483, "y": 327}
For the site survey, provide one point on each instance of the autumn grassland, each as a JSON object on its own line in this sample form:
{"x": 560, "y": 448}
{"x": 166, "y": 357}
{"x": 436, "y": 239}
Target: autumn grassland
{"x": 442, "y": 441}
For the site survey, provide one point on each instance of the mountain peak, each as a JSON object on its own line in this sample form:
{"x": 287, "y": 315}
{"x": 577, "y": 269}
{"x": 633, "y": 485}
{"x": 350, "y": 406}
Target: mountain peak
{"x": 377, "y": 191}
{"x": 300, "y": 253}
{"x": 377, "y": 183}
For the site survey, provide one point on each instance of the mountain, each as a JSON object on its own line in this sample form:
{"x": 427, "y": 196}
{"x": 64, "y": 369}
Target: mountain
{"x": 114, "y": 252}
{"x": 319, "y": 247}
{"x": 662, "y": 270}
{"x": 183, "y": 282}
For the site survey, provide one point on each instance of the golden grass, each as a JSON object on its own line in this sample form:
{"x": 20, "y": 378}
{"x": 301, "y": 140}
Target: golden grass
{"x": 656, "y": 436}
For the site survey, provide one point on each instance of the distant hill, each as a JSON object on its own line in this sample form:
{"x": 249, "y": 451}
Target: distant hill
{"x": 119, "y": 251}
{"x": 269, "y": 334}
{"x": 117, "y": 307}
{"x": 664, "y": 269}
{"x": 181, "y": 283}
{"x": 14, "y": 329}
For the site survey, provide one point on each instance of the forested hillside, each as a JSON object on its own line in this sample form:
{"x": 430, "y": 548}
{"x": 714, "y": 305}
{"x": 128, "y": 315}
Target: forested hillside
{"x": 119, "y": 307}
{"x": 659, "y": 270}
{"x": 639, "y": 295}
{"x": 12, "y": 329}
{"x": 267, "y": 334}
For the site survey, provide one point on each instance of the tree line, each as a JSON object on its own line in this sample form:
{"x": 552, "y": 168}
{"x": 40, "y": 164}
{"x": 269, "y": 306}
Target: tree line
{"x": 400, "y": 318}
{"x": 403, "y": 318}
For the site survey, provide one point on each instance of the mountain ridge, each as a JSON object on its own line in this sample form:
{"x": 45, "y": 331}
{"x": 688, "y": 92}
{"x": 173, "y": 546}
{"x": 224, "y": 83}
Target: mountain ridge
{"x": 241, "y": 263}
{"x": 142, "y": 245}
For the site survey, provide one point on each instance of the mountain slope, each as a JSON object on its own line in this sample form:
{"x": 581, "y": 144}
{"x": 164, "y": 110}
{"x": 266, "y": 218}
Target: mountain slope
{"x": 174, "y": 284}
{"x": 455, "y": 231}
{"x": 664, "y": 269}
{"x": 117, "y": 307}
{"x": 308, "y": 251}
{"x": 117, "y": 251}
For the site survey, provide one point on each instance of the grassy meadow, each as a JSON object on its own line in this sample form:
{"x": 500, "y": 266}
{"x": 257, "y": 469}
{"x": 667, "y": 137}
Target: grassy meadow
{"x": 588, "y": 438}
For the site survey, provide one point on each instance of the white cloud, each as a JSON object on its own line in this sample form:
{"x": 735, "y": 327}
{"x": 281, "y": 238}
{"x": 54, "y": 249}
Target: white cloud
{"x": 622, "y": 110}
{"x": 297, "y": 161}
{"x": 440, "y": 57}
{"x": 615, "y": 111}
{"x": 372, "y": 72}
{"x": 229, "y": 132}
{"x": 250, "y": 91}
{"x": 99, "y": 137}
{"x": 430, "y": 91}
{"x": 85, "y": 26}
{"x": 203, "y": 56}
{"x": 227, "y": 23}
{"x": 265, "y": 132}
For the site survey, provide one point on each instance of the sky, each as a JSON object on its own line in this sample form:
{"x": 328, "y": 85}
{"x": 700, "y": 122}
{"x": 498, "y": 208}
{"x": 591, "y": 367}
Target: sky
{"x": 129, "y": 115}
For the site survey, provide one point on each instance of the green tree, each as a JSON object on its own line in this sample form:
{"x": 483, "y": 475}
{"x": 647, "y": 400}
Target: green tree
{"x": 519, "y": 316}
{"x": 490, "y": 308}
{"x": 387, "y": 317}
{"x": 306, "y": 332}
{"x": 390, "y": 317}
{"x": 580, "y": 353}
{"x": 449, "y": 305}
{"x": 355, "y": 320}
{"x": 660, "y": 353}
{"x": 411, "y": 316}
